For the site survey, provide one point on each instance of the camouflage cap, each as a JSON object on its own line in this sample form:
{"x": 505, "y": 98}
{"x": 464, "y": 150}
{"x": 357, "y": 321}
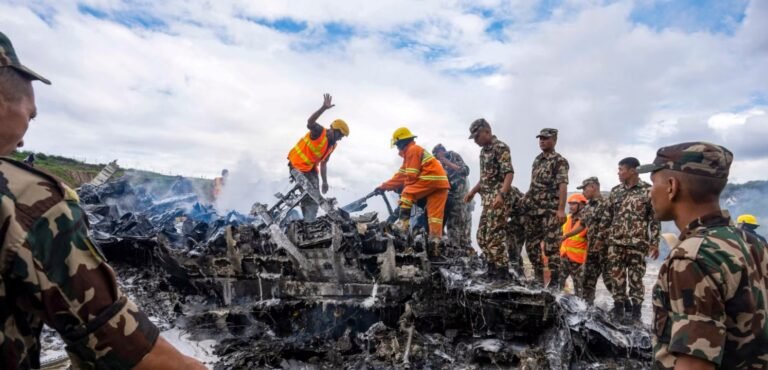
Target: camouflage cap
{"x": 587, "y": 181}
{"x": 475, "y": 127}
{"x": 438, "y": 148}
{"x": 8, "y": 58}
{"x": 547, "y": 132}
{"x": 695, "y": 158}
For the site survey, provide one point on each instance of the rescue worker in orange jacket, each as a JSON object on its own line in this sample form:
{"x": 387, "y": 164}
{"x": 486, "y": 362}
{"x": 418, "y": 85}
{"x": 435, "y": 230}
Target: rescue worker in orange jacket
{"x": 310, "y": 155}
{"x": 573, "y": 250}
{"x": 421, "y": 176}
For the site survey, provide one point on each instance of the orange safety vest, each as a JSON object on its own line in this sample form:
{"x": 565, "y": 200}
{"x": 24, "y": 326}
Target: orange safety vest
{"x": 575, "y": 247}
{"x": 307, "y": 153}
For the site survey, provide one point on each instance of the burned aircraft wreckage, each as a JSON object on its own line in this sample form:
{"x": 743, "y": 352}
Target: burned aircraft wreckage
{"x": 342, "y": 292}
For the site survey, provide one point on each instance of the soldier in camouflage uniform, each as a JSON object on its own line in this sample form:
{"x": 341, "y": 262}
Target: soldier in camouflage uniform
{"x": 591, "y": 216}
{"x": 50, "y": 271}
{"x": 545, "y": 207}
{"x": 495, "y": 183}
{"x": 458, "y": 220}
{"x": 632, "y": 233}
{"x": 710, "y": 301}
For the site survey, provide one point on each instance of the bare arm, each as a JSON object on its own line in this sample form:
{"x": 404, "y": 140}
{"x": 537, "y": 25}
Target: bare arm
{"x": 472, "y": 192}
{"x": 315, "y": 128}
{"x": 573, "y": 232}
{"x": 164, "y": 356}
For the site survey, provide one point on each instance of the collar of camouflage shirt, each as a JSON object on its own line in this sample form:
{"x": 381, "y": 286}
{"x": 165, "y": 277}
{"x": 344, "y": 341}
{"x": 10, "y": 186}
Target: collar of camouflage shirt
{"x": 548, "y": 155}
{"x": 722, "y": 218}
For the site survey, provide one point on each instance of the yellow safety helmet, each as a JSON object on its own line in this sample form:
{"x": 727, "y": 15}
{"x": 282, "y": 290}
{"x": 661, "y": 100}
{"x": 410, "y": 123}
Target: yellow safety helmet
{"x": 340, "y": 125}
{"x": 401, "y": 134}
{"x": 747, "y": 219}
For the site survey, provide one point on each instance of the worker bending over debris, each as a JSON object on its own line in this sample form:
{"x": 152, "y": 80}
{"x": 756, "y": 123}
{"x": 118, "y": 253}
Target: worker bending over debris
{"x": 421, "y": 176}
{"x": 310, "y": 155}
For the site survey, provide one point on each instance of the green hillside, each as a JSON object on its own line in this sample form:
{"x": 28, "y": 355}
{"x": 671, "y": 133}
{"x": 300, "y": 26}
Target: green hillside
{"x": 75, "y": 173}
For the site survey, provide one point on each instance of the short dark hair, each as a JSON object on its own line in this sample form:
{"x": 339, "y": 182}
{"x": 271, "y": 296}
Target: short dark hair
{"x": 630, "y": 162}
{"x": 14, "y": 85}
{"x": 702, "y": 189}
{"x": 401, "y": 143}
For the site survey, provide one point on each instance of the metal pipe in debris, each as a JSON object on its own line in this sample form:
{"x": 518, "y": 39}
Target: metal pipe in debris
{"x": 408, "y": 345}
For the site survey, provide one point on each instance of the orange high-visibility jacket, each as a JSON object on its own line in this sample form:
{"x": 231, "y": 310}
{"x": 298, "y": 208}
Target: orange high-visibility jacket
{"x": 575, "y": 247}
{"x": 419, "y": 167}
{"x": 307, "y": 153}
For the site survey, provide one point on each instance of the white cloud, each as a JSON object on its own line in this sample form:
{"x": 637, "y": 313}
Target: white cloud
{"x": 210, "y": 88}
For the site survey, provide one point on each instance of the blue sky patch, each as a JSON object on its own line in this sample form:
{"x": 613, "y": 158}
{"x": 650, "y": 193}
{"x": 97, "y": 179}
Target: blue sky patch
{"x": 717, "y": 16}
{"x": 477, "y": 70}
{"x": 128, "y": 18}
{"x": 495, "y": 30}
{"x": 429, "y": 53}
{"x": 284, "y": 24}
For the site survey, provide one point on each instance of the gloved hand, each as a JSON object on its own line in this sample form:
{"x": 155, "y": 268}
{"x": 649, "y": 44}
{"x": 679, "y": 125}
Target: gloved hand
{"x": 378, "y": 191}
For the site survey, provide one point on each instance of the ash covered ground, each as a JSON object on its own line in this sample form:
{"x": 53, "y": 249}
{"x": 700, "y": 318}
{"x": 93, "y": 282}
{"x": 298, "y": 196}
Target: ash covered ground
{"x": 268, "y": 291}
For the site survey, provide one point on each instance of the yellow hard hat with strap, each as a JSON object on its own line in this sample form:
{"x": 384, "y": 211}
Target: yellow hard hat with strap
{"x": 402, "y": 133}
{"x": 340, "y": 125}
{"x": 747, "y": 219}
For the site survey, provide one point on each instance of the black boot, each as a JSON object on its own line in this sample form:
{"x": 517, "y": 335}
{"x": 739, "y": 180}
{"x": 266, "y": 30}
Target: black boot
{"x": 627, "y": 313}
{"x": 554, "y": 282}
{"x": 637, "y": 312}
{"x": 617, "y": 313}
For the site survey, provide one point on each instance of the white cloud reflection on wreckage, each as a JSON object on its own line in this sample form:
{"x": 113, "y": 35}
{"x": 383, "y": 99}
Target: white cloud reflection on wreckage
{"x": 194, "y": 87}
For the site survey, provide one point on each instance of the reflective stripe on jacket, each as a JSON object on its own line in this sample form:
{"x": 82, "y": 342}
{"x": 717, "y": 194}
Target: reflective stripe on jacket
{"x": 575, "y": 247}
{"x": 419, "y": 166}
{"x": 307, "y": 153}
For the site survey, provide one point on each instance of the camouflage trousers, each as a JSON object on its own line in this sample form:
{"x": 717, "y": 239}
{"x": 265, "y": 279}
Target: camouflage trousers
{"x": 515, "y": 246}
{"x": 543, "y": 229}
{"x": 458, "y": 223}
{"x": 626, "y": 266}
{"x": 493, "y": 233}
{"x": 593, "y": 268}
{"x": 574, "y": 270}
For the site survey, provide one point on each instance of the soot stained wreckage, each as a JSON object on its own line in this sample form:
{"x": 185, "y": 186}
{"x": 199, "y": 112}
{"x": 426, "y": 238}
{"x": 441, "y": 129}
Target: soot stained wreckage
{"x": 342, "y": 292}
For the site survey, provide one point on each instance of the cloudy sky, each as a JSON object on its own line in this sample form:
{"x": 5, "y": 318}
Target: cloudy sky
{"x": 191, "y": 87}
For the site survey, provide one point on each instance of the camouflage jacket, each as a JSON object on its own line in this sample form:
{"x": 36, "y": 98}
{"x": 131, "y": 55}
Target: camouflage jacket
{"x": 495, "y": 164}
{"x": 628, "y": 217}
{"x": 458, "y": 178}
{"x": 592, "y": 216}
{"x": 710, "y": 300}
{"x": 52, "y": 274}
{"x": 548, "y": 172}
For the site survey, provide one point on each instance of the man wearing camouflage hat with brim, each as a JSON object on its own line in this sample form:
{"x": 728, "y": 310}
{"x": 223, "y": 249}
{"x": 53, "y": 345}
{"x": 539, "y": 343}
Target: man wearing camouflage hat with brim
{"x": 545, "y": 207}
{"x": 710, "y": 301}
{"x": 494, "y": 186}
{"x": 590, "y": 216}
{"x": 50, "y": 271}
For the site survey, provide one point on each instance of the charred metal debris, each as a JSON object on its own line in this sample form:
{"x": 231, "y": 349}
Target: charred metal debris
{"x": 342, "y": 292}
